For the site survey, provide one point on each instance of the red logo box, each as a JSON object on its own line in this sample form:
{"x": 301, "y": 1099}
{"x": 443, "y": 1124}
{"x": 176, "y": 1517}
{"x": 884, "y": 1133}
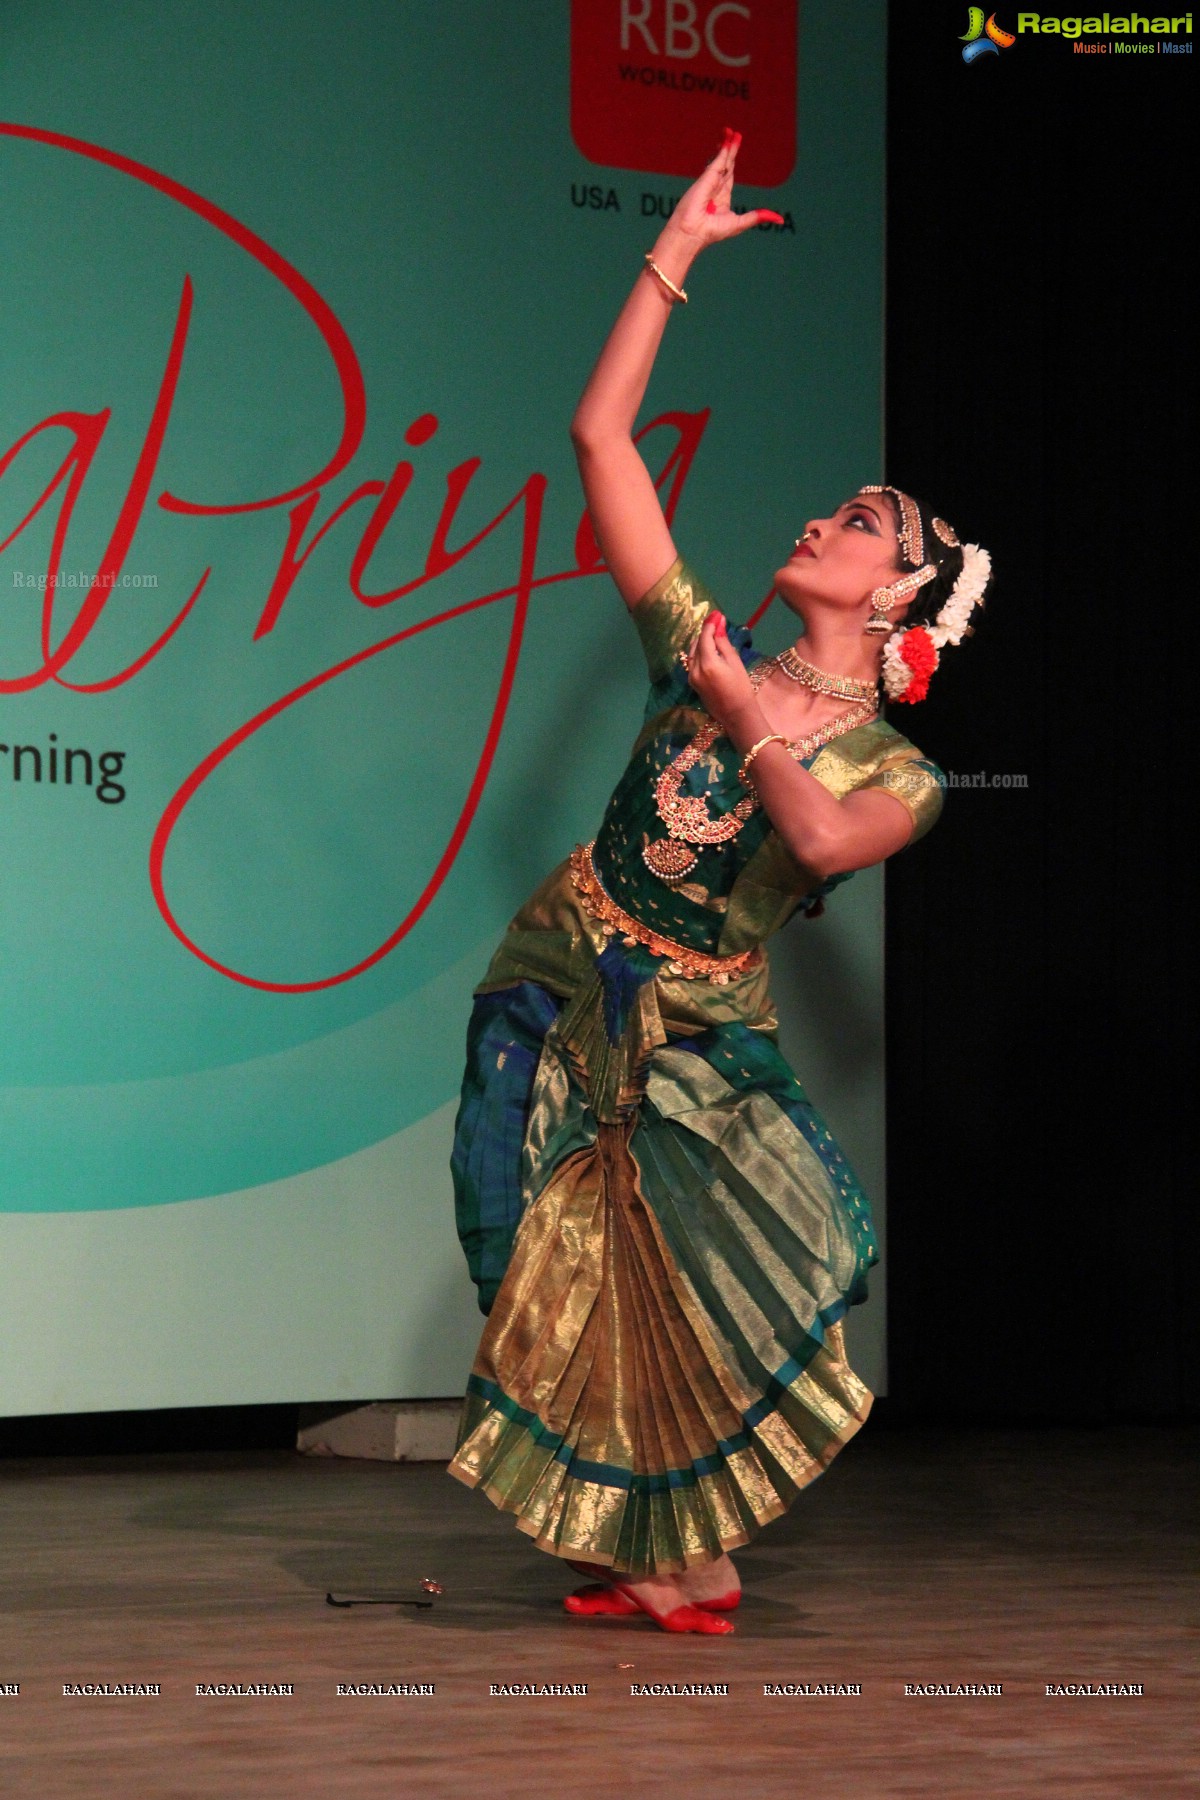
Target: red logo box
{"x": 654, "y": 83}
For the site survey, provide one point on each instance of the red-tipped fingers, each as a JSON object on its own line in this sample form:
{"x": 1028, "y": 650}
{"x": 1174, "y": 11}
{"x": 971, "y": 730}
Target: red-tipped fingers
{"x": 715, "y": 170}
{"x": 748, "y": 220}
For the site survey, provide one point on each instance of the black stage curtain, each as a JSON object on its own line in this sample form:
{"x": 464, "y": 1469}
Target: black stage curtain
{"x": 1039, "y": 344}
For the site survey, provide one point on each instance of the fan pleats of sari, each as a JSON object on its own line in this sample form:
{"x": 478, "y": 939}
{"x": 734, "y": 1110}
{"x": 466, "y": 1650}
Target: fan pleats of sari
{"x": 663, "y": 1367}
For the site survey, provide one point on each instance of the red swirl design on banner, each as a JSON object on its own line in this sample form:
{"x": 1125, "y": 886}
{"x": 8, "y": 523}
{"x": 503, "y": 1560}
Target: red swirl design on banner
{"x": 87, "y": 431}
{"x": 354, "y": 399}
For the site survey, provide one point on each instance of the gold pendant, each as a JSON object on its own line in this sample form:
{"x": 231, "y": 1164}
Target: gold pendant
{"x": 670, "y": 860}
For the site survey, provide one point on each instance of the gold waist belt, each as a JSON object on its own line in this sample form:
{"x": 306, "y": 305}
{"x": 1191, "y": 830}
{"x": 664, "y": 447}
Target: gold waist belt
{"x": 691, "y": 964}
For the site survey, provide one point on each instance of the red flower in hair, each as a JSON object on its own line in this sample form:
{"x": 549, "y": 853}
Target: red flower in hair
{"x": 917, "y": 649}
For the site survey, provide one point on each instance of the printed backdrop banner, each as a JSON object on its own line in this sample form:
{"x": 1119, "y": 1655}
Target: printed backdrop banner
{"x": 307, "y": 670}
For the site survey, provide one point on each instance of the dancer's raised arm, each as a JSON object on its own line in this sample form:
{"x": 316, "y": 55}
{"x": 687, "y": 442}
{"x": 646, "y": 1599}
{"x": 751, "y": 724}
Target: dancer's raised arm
{"x": 626, "y": 516}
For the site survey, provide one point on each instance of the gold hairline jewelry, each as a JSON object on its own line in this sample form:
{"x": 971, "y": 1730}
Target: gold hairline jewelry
{"x": 912, "y": 539}
{"x": 665, "y": 279}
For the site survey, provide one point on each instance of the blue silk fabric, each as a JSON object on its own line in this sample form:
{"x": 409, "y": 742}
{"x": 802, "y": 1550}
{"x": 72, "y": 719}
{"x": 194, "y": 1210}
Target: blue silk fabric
{"x": 504, "y": 1043}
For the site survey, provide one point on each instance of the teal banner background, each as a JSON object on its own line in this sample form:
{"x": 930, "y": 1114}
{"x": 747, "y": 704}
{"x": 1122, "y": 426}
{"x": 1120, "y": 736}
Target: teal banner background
{"x": 223, "y": 1164}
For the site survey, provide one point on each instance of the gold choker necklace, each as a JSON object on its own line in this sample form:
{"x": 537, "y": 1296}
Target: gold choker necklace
{"x": 843, "y": 687}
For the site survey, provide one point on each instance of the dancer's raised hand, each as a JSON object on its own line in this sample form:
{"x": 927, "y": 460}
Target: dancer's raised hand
{"x": 705, "y": 213}
{"x": 626, "y": 513}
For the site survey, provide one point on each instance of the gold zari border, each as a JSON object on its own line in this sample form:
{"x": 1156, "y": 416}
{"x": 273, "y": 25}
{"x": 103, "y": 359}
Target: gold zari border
{"x": 691, "y": 964}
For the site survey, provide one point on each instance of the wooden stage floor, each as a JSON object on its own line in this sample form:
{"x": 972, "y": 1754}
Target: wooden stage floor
{"x": 1024, "y": 1558}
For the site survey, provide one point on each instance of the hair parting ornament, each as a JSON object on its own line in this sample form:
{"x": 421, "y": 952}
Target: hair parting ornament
{"x": 913, "y": 652}
{"x": 912, "y": 541}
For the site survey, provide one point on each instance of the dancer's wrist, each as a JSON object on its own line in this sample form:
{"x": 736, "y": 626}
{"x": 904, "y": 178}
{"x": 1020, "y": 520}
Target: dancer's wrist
{"x": 745, "y": 725}
{"x": 675, "y": 252}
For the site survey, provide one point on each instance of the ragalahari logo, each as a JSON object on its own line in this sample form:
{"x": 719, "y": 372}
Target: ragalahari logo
{"x": 983, "y": 38}
{"x": 655, "y": 82}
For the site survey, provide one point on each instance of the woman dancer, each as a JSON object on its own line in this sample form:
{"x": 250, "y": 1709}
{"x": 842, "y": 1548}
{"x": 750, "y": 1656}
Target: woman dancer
{"x": 664, "y": 1233}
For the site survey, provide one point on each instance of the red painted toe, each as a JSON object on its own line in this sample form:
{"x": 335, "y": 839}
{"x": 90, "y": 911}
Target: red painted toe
{"x": 693, "y": 1618}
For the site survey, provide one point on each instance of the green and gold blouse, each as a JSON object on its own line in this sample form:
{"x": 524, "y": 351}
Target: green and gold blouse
{"x": 741, "y": 891}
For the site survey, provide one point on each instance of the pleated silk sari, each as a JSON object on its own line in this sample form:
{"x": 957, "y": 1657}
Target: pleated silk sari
{"x": 664, "y": 1233}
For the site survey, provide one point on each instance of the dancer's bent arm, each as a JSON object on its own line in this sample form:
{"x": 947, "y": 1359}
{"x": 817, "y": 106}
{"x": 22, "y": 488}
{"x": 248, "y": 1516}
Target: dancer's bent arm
{"x": 826, "y": 835}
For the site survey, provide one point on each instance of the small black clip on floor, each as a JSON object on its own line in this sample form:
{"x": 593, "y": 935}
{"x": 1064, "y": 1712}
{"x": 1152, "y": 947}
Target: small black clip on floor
{"x": 376, "y": 1600}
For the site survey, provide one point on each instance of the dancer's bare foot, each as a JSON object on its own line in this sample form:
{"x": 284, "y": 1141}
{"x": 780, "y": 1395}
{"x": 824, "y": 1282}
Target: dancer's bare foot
{"x": 716, "y": 1585}
{"x": 663, "y": 1598}
{"x": 712, "y": 1587}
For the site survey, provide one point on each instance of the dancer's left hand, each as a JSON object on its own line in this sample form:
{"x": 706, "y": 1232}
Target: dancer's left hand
{"x": 717, "y": 673}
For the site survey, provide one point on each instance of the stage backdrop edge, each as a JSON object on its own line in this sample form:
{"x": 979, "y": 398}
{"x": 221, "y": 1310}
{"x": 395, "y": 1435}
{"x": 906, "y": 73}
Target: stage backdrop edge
{"x": 298, "y": 300}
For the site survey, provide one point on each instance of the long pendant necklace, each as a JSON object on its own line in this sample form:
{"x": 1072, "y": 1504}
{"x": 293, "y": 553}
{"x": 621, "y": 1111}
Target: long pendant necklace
{"x": 686, "y": 816}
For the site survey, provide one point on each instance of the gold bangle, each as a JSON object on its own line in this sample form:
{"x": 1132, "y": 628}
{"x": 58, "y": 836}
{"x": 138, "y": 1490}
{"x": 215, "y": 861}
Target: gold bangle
{"x": 665, "y": 279}
{"x": 775, "y": 737}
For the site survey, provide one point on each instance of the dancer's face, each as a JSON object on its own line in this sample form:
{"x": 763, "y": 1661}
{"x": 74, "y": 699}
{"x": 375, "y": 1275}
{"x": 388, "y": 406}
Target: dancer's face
{"x": 844, "y": 558}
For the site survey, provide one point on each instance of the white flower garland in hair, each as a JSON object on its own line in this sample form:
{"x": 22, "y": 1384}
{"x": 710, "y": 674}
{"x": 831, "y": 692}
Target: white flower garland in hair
{"x": 951, "y": 622}
{"x": 903, "y": 664}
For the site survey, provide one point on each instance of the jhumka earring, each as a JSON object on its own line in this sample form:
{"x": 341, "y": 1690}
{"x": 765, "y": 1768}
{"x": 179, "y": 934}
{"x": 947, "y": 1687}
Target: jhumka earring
{"x": 882, "y": 601}
{"x": 884, "y": 598}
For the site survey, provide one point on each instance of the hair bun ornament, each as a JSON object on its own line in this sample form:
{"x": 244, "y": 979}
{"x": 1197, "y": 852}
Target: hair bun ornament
{"x": 911, "y": 655}
{"x": 909, "y": 659}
